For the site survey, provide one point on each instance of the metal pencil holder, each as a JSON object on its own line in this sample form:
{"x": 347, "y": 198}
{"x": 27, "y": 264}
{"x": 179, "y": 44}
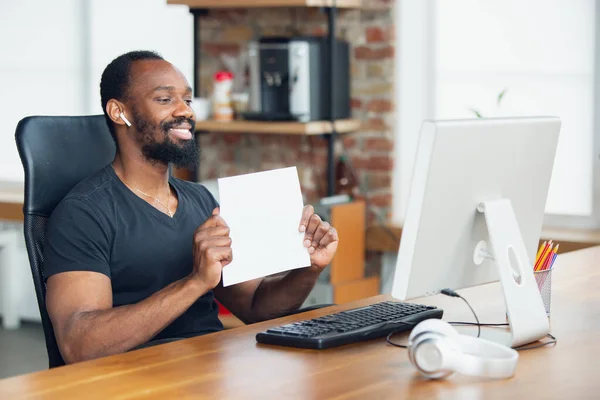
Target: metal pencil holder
{"x": 544, "y": 283}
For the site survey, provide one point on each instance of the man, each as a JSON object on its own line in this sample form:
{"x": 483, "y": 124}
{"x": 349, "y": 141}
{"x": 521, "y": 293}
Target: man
{"x": 133, "y": 256}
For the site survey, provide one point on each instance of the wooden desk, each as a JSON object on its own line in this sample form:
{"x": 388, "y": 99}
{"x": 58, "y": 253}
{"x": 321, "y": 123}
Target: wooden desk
{"x": 11, "y": 201}
{"x": 231, "y": 365}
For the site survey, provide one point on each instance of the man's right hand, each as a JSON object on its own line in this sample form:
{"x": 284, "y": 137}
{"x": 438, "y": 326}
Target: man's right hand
{"x": 212, "y": 250}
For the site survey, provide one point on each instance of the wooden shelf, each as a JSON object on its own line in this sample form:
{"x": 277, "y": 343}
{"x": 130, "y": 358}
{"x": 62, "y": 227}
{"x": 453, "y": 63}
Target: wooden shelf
{"x": 266, "y": 3}
{"x": 380, "y": 239}
{"x": 279, "y": 128}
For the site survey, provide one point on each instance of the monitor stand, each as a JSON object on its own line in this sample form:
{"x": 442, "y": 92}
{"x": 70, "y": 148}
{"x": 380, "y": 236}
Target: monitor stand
{"x": 524, "y": 306}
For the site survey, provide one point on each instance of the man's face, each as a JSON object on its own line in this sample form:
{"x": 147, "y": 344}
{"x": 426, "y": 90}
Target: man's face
{"x": 160, "y": 97}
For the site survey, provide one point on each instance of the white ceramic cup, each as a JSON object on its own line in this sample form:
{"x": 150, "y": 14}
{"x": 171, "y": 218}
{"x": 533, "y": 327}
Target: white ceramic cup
{"x": 201, "y": 107}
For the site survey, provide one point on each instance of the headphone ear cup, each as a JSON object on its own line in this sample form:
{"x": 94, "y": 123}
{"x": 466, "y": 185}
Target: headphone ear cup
{"x": 430, "y": 357}
{"x": 430, "y": 353}
{"x": 430, "y": 343}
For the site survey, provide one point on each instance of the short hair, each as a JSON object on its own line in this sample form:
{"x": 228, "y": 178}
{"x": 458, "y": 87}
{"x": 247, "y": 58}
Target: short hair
{"x": 115, "y": 81}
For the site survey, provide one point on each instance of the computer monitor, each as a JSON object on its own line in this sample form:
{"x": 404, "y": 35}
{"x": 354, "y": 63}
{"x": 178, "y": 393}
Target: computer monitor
{"x": 475, "y": 212}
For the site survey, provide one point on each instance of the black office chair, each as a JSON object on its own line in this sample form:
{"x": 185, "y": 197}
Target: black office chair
{"x": 57, "y": 153}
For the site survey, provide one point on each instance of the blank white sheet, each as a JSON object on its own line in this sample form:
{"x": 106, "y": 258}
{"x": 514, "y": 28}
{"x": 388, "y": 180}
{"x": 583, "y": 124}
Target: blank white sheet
{"x": 263, "y": 211}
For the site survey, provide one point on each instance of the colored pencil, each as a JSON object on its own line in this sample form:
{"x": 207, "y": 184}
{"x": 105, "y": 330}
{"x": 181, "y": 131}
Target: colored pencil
{"x": 539, "y": 253}
{"x": 542, "y": 258}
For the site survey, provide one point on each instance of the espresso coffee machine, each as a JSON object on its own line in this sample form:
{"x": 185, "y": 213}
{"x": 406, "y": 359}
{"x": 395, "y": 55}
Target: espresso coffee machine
{"x": 289, "y": 80}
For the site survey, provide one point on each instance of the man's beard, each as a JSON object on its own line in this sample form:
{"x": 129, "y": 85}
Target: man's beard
{"x": 167, "y": 151}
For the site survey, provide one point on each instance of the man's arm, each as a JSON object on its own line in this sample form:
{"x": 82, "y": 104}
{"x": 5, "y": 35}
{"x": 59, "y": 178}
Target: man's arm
{"x": 87, "y": 326}
{"x": 272, "y": 297}
{"x": 269, "y": 297}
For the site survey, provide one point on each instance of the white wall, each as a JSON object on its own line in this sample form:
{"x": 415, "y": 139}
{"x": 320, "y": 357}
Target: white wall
{"x": 543, "y": 52}
{"x": 119, "y": 26}
{"x": 39, "y": 68}
{"x": 414, "y": 90}
{"x": 52, "y": 54}
{"x": 459, "y": 54}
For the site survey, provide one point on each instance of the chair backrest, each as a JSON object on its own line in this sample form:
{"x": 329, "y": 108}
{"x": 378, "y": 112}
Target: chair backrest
{"x": 57, "y": 153}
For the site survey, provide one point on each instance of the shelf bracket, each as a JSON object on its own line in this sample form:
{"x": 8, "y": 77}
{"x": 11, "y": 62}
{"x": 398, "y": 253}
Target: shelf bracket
{"x": 197, "y": 13}
{"x": 331, "y": 30}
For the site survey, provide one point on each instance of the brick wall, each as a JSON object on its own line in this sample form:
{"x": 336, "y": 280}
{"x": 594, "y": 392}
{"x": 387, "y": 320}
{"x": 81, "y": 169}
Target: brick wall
{"x": 370, "y": 32}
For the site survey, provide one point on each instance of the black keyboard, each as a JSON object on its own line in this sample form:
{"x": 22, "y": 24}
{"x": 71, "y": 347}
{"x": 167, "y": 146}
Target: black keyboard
{"x": 350, "y": 326}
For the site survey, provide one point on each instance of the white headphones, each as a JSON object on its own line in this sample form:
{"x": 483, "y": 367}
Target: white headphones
{"x": 438, "y": 350}
{"x": 122, "y": 116}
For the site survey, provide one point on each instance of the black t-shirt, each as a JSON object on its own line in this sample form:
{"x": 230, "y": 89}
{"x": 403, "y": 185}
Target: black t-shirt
{"x": 102, "y": 226}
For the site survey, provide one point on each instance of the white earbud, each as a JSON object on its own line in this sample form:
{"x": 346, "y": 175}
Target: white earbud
{"x": 437, "y": 350}
{"x": 122, "y": 116}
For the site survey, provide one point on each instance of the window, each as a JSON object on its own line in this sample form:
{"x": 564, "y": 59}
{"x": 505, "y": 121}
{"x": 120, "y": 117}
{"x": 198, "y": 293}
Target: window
{"x": 40, "y": 68}
{"x": 53, "y": 53}
{"x": 539, "y": 54}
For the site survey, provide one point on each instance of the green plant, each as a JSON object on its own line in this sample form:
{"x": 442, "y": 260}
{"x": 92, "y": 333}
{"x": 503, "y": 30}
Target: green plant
{"x": 498, "y": 100}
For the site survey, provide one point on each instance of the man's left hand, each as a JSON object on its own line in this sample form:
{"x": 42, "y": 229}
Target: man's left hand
{"x": 320, "y": 238}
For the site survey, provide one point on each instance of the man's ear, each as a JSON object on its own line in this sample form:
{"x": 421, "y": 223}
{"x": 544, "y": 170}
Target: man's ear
{"x": 114, "y": 108}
